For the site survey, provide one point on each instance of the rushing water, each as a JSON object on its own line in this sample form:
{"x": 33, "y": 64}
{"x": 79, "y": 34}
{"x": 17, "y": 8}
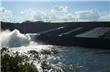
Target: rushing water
{"x": 76, "y": 59}
{"x": 70, "y": 59}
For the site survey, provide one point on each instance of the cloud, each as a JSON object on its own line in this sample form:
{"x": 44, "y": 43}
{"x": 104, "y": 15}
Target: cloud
{"x": 63, "y": 9}
{"x": 28, "y": 14}
{"x": 104, "y": 18}
{"x": 55, "y": 14}
{"x": 5, "y": 15}
{"x": 60, "y": 14}
{"x": 87, "y": 15}
{"x": 31, "y": 15}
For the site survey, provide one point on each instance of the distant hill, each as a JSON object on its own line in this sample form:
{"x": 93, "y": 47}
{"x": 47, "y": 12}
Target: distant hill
{"x": 33, "y": 27}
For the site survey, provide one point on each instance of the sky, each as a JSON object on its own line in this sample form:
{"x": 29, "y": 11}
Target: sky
{"x": 55, "y": 11}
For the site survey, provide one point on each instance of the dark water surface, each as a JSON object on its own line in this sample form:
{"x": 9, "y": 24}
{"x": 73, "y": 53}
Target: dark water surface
{"x": 75, "y": 59}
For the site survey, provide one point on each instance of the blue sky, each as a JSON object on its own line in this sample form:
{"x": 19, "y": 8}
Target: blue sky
{"x": 102, "y": 7}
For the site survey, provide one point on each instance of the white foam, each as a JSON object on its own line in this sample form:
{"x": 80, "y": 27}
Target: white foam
{"x": 20, "y": 42}
{"x": 13, "y": 39}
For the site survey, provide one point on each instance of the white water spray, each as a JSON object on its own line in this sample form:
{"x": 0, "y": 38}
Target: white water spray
{"x": 13, "y": 39}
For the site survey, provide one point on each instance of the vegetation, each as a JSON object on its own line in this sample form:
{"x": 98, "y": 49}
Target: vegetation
{"x": 17, "y": 62}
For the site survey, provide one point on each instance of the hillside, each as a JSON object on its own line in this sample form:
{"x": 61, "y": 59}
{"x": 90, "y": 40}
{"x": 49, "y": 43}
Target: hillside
{"x": 33, "y": 27}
